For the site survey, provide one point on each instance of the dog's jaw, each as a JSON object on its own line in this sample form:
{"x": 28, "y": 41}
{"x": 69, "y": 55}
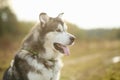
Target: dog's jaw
{"x": 62, "y": 48}
{"x": 51, "y": 52}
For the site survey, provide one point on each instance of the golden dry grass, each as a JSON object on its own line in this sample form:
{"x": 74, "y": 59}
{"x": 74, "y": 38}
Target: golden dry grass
{"x": 87, "y": 59}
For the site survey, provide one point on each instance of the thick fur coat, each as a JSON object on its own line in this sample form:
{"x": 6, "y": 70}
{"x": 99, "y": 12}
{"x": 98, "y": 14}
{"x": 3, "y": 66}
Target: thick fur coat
{"x": 39, "y": 57}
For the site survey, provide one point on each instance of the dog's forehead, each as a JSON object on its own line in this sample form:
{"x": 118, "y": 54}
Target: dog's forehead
{"x": 59, "y": 23}
{"x": 53, "y": 24}
{"x": 62, "y": 27}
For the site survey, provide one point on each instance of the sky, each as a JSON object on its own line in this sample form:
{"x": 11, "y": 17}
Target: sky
{"x": 87, "y": 14}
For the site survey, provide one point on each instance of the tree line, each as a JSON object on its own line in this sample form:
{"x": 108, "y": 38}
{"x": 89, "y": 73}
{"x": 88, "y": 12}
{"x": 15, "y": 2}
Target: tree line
{"x": 94, "y": 34}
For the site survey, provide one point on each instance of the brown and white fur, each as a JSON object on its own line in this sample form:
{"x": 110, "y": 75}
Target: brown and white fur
{"x": 39, "y": 57}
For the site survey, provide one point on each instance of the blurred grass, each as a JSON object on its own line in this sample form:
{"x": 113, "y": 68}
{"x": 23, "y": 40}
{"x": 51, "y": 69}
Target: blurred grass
{"x": 92, "y": 61}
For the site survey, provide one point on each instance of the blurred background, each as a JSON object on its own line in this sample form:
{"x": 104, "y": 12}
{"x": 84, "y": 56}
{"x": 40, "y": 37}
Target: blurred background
{"x": 95, "y": 23}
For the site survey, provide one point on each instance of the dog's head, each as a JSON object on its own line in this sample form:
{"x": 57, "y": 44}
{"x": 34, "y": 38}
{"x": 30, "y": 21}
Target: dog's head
{"x": 55, "y": 34}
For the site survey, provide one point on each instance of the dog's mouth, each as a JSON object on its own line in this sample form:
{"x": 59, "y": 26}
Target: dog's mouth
{"x": 62, "y": 48}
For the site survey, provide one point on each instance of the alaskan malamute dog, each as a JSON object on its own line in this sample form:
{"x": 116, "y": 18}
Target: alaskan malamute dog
{"x": 39, "y": 57}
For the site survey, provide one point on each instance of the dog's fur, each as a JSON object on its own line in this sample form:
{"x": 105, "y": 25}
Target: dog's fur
{"x": 38, "y": 59}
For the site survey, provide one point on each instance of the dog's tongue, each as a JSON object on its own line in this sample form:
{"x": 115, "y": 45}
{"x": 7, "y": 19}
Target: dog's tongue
{"x": 66, "y": 50}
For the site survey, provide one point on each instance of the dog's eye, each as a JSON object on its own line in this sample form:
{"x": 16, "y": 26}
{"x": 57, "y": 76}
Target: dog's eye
{"x": 58, "y": 30}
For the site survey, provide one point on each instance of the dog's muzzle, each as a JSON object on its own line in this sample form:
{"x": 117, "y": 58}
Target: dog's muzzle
{"x": 64, "y": 48}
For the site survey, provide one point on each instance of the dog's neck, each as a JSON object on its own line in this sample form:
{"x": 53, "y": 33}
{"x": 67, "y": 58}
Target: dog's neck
{"x": 33, "y": 42}
{"x": 49, "y": 54}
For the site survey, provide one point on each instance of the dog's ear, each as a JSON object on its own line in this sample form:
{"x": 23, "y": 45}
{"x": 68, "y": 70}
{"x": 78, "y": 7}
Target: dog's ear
{"x": 43, "y": 18}
{"x": 60, "y": 15}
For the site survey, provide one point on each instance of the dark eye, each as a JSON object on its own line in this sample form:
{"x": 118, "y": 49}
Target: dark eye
{"x": 58, "y": 30}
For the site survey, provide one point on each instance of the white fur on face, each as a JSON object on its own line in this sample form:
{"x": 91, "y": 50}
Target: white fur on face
{"x": 61, "y": 37}
{"x": 62, "y": 28}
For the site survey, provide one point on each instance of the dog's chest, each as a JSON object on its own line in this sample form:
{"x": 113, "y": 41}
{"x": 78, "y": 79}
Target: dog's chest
{"x": 47, "y": 71}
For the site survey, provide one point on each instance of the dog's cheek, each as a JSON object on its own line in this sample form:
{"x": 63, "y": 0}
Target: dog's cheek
{"x": 62, "y": 38}
{"x": 50, "y": 36}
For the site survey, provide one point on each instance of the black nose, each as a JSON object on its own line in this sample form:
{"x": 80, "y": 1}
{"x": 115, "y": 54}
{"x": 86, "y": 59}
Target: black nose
{"x": 72, "y": 39}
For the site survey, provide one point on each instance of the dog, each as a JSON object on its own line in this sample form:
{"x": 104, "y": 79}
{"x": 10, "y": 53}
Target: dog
{"x": 39, "y": 57}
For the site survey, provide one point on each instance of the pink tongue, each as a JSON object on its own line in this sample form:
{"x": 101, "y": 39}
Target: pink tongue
{"x": 66, "y": 50}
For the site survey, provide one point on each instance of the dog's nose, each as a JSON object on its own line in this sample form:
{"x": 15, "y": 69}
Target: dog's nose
{"x": 72, "y": 39}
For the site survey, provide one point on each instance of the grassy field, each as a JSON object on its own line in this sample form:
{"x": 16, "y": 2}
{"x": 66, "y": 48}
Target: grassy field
{"x": 89, "y": 60}
{"x": 92, "y": 61}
